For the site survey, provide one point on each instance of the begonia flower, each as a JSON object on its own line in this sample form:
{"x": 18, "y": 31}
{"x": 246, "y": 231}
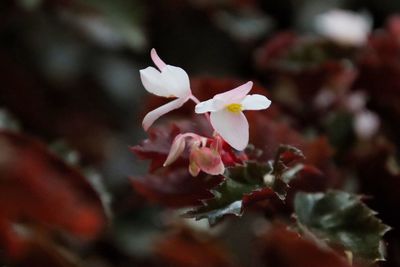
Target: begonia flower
{"x": 227, "y": 116}
{"x": 207, "y": 160}
{"x": 202, "y": 158}
{"x": 168, "y": 81}
{"x": 344, "y": 27}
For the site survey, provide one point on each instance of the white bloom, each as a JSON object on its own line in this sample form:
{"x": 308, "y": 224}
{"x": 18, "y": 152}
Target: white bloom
{"x": 167, "y": 81}
{"x": 344, "y": 27}
{"x": 356, "y": 101}
{"x": 227, "y": 117}
{"x": 366, "y": 124}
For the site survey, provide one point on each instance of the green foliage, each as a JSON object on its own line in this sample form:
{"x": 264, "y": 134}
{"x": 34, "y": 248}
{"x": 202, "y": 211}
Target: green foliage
{"x": 243, "y": 181}
{"x": 340, "y": 218}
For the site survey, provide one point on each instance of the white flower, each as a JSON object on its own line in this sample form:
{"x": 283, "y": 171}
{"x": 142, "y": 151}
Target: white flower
{"x": 167, "y": 81}
{"x": 366, "y": 124}
{"x": 227, "y": 117}
{"x": 344, "y": 27}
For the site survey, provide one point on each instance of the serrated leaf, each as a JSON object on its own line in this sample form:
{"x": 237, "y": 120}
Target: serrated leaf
{"x": 248, "y": 183}
{"x": 284, "y": 165}
{"x": 227, "y": 200}
{"x": 340, "y": 218}
{"x": 243, "y": 182}
{"x": 288, "y": 154}
{"x": 240, "y": 182}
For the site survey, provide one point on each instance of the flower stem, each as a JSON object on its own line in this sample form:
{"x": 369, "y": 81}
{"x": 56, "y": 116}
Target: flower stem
{"x": 197, "y": 101}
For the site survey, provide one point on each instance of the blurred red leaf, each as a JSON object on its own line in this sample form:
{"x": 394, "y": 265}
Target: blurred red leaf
{"x": 189, "y": 249}
{"x": 275, "y": 48}
{"x": 379, "y": 68}
{"x": 283, "y": 248}
{"x": 61, "y": 110}
{"x": 175, "y": 188}
{"x": 157, "y": 146}
{"x": 38, "y": 189}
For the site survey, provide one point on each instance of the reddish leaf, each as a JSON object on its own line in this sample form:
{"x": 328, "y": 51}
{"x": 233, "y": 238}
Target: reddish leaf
{"x": 176, "y": 188}
{"x": 157, "y": 146}
{"x": 283, "y": 248}
{"x": 267, "y": 134}
{"x": 288, "y": 155}
{"x": 190, "y": 249}
{"x": 39, "y": 189}
{"x": 379, "y": 77}
{"x": 275, "y": 48}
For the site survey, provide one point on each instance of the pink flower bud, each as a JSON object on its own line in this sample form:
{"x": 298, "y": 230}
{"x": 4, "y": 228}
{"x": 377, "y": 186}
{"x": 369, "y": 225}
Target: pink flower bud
{"x": 178, "y": 145}
{"x": 205, "y": 159}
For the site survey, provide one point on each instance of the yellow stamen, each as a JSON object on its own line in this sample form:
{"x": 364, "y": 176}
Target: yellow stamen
{"x": 234, "y": 108}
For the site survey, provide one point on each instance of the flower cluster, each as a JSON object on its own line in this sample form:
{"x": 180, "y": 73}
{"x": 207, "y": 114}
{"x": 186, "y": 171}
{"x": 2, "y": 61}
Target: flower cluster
{"x": 224, "y": 111}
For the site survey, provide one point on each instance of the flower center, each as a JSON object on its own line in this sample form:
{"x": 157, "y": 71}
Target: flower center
{"x": 234, "y": 108}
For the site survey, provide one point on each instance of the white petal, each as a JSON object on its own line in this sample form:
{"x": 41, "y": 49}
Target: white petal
{"x": 235, "y": 95}
{"x": 152, "y": 116}
{"x": 255, "y": 102}
{"x": 366, "y": 124}
{"x": 178, "y": 145}
{"x": 209, "y": 106}
{"x": 344, "y": 26}
{"x": 233, "y": 128}
{"x": 176, "y": 81}
{"x": 153, "y": 82}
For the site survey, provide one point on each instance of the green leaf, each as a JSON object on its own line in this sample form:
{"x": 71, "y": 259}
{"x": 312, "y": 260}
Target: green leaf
{"x": 227, "y": 200}
{"x": 241, "y": 182}
{"x": 340, "y": 218}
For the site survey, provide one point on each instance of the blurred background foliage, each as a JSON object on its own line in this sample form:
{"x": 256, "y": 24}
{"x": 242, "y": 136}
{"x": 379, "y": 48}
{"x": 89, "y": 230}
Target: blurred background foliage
{"x": 69, "y": 76}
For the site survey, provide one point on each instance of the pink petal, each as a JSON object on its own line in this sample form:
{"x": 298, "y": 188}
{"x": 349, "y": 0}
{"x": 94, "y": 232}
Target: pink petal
{"x": 178, "y": 145}
{"x": 194, "y": 170}
{"x": 235, "y": 95}
{"x": 208, "y": 160}
{"x": 255, "y": 102}
{"x": 232, "y": 127}
{"x": 152, "y": 116}
{"x": 157, "y": 60}
{"x": 153, "y": 82}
